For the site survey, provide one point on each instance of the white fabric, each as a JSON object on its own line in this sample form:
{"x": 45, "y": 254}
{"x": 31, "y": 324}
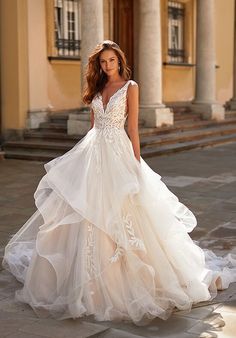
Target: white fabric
{"x": 108, "y": 237}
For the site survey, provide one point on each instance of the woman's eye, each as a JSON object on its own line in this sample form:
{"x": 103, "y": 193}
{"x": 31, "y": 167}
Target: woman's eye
{"x": 112, "y": 60}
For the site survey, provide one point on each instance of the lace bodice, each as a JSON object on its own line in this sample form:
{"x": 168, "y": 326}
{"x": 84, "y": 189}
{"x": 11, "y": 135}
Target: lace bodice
{"x": 115, "y": 112}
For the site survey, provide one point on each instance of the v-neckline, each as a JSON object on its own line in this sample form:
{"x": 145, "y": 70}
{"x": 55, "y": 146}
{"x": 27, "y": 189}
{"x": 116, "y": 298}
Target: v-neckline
{"x": 105, "y": 107}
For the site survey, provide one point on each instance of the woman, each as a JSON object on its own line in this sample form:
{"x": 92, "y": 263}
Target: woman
{"x": 108, "y": 238}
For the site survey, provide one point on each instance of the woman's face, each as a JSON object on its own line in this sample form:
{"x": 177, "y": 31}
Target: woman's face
{"x": 109, "y": 62}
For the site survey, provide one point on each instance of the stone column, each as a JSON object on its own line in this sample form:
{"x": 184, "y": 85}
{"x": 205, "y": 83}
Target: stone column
{"x": 152, "y": 110}
{"x": 205, "y": 93}
{"x": 92, "y": 33}
{"x": 232, "y": 102}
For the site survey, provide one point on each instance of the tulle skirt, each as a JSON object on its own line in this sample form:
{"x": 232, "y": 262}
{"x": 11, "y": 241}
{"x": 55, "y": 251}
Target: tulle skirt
{"x": 109, "y": 239}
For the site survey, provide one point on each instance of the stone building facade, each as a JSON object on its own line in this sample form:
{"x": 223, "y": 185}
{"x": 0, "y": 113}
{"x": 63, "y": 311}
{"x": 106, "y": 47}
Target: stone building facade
{"x": 181, "y": 53}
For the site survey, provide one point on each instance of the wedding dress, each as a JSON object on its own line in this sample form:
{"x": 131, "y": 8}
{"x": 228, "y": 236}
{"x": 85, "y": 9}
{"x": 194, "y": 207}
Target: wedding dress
{"x": 108, "y": 238}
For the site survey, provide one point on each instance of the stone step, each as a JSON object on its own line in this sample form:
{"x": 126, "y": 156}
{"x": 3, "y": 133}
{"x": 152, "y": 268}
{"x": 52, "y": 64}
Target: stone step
{"x": 178, "y": 109}
{"x": 185, "y": 136}
{"x": 58, "y": 121}
{"x": 186, "y": 121}
{"x": 49, "y": 135}
{"x": 187, "y": 116}
{"x": 39, "y": 146}
{"x": 173, "y": 148}
{"x": 184, "y": 126}
{"x": 23, "y": 155}
{"x": 53, "y": 126}
{"x": 59, "y": 117}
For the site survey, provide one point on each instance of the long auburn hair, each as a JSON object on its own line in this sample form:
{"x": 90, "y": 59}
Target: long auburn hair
{"x": 95, "y": 76}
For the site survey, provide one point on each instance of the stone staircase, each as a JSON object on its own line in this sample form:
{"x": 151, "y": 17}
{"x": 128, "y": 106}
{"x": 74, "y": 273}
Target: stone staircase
{"x": 189, "y": 131}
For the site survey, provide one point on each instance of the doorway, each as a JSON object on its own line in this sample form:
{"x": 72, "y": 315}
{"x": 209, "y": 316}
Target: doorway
{"x": 123, "y": 31}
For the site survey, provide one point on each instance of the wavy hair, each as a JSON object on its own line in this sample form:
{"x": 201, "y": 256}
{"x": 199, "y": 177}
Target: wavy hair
{"x": 95, "y": 76}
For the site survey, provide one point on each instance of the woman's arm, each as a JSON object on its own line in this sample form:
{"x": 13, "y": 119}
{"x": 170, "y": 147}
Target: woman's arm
{"x": 133, "y": 109}
{"x": 92, "y": 118}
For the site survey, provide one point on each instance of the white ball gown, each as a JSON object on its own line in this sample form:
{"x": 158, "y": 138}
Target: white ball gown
{"x": 108, "y": 237}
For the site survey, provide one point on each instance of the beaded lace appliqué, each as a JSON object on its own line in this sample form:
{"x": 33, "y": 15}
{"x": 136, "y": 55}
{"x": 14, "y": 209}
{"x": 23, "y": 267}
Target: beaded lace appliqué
{"x": 132, "y": 239}
{"x": 109, "y": 122}
{"x": 90, "y": 250}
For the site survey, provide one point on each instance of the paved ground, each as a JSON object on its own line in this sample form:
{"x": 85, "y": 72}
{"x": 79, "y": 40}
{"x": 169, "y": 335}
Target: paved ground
{"x": 205, "y": 180}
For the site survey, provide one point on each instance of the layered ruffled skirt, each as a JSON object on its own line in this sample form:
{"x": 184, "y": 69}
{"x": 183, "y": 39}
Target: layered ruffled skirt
{"x": 109, "y": 239}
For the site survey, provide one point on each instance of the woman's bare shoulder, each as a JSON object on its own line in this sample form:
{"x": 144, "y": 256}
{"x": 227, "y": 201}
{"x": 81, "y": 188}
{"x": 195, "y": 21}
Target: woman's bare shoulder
{"x": 133, "y": 89}
{"x": 133, "y": 83}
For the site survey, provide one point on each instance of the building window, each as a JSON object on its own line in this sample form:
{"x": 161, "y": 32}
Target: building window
{"x": 176, "y": 18}
{"x": 67, "y": 22}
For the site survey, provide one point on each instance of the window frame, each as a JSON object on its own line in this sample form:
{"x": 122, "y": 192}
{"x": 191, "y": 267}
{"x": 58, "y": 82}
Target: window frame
{"x": 53, "y": 45}
{"x": 176, "y": 23}
{"x": 188, "y": 34}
